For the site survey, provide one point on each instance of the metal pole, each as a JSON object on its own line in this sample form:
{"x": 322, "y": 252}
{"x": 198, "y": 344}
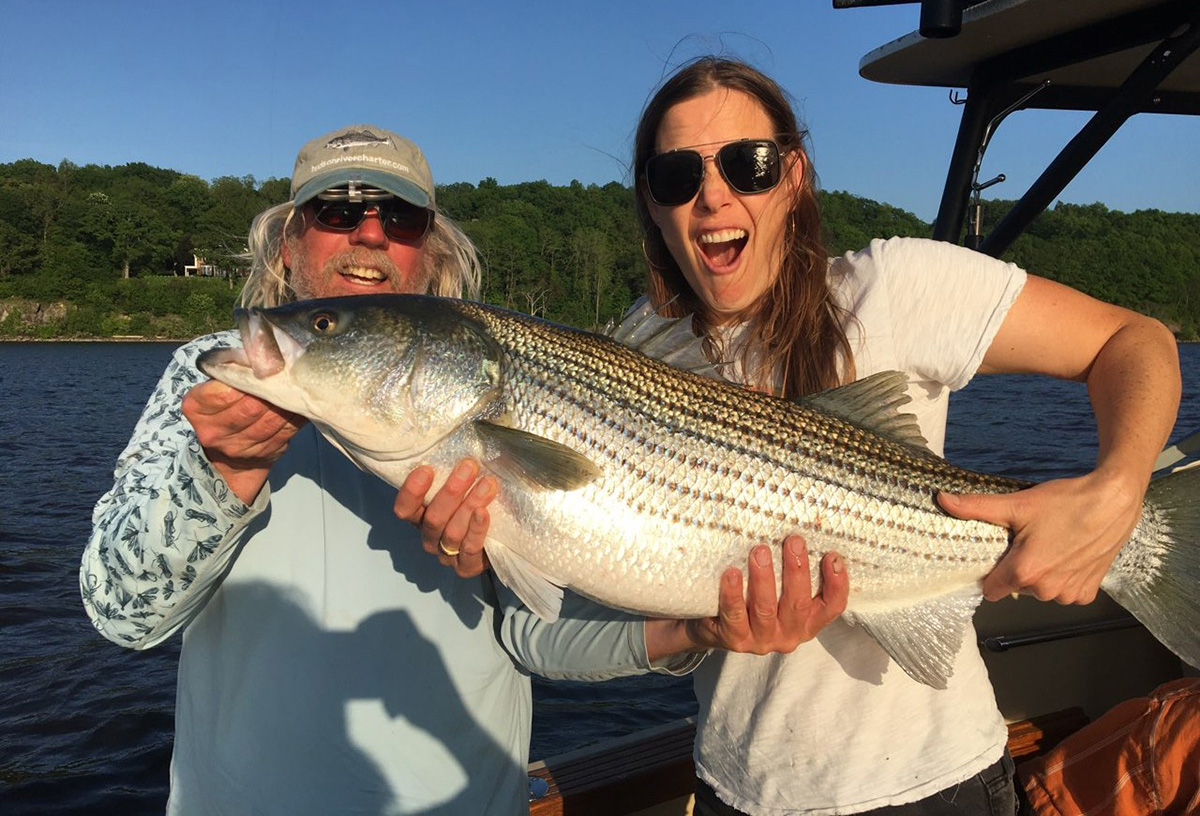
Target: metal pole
{"x": 977, "y": 112}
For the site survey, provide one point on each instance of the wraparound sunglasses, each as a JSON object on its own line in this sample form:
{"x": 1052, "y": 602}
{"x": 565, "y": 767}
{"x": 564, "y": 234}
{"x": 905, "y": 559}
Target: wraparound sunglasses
{"x": 749, "y": 166}
{"x": 401, "y": 220}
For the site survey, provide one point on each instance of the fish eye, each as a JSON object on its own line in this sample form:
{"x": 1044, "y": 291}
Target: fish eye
{"x": 324, "y": 322}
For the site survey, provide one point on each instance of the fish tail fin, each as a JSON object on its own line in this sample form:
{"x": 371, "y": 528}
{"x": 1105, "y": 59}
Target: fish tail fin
{"x": 1156, "y": 576}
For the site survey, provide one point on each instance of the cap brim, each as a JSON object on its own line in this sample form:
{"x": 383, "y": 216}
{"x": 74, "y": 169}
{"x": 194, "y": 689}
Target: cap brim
{"x": 399, "y": 187}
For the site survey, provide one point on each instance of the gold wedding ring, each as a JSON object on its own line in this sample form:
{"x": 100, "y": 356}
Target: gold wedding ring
{"x": 445, "y": 550}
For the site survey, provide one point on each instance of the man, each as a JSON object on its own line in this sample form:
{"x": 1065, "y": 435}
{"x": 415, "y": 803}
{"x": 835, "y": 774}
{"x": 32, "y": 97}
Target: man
{"x": 328, "y": 665}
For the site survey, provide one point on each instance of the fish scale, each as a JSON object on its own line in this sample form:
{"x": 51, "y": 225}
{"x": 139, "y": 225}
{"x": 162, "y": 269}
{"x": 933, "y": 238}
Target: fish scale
{"x": 638, "y": 484}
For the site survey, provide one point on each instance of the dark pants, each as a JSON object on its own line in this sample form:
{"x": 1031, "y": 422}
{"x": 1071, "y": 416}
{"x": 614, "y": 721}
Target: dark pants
{"x": 989, "y": 793}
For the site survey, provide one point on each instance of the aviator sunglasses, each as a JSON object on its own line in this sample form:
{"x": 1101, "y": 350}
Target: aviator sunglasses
{"x": 401, "y": 220}
{"x": 749, "y": 166}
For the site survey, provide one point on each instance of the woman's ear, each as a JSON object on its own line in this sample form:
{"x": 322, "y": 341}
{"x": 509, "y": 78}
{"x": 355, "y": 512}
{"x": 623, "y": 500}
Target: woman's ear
{"x": 797, "y": 163}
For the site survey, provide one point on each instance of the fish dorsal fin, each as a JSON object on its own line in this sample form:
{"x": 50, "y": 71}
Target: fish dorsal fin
{"x": 537, "y": 590}
{"x": 534, "y": 459}
{"x": 873, "y": 404}
{"x": 669, "y": 339}
{"x": 924, "y": 639}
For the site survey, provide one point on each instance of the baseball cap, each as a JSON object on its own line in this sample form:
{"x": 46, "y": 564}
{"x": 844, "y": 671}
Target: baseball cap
{"x": 364, "y": 155}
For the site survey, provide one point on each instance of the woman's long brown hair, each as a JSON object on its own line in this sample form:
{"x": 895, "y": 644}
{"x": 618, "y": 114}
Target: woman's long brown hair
{"x": 796, "y": 329}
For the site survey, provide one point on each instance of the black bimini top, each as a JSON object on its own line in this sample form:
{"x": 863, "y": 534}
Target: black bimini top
{"x": 1087, "y": 49}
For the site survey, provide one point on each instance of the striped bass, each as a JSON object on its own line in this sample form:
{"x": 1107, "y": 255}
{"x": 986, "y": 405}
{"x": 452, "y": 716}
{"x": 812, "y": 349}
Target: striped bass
{"x": 637, "y": 484}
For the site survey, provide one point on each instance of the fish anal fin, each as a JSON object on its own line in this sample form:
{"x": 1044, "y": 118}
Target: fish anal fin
{"x": 534, "y": 459}
{"x": 873, "y": 403}
{"x": 536, "y": 590}
{"x": 924, "y": 638}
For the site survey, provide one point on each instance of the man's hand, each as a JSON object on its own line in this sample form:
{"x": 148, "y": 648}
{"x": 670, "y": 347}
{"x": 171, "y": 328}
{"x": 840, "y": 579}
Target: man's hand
{"x": 758, "y": 622}
{"x": 1065, "y": 535}
{"x": 241, "y": 435}
{"x": 454, "y": 524}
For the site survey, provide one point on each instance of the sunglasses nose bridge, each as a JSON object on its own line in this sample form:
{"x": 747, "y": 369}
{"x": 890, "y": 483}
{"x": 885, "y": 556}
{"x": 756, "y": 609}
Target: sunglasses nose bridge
{"x": 713, "y": 182}
{"x": 370, "y": 230}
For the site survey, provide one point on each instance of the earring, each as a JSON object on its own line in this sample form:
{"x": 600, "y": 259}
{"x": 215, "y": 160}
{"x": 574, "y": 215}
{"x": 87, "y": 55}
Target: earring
{"x": 654, "y": 264}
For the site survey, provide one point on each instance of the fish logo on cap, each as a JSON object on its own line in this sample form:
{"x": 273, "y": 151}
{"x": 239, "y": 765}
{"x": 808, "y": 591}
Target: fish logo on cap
{"x": 357, "y": 138}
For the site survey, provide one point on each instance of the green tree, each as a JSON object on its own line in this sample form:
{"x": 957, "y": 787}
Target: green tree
{"x": 134, "y": 232}
{"x": 18, "y": 250}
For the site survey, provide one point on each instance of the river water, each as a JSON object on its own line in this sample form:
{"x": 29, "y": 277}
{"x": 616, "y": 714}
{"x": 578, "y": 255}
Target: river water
{"x": 85, "y": 726}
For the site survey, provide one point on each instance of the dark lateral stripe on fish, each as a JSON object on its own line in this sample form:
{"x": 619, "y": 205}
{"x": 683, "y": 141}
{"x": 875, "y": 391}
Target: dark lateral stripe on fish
{"x": 929, "y": 533}
{"x": 780, "y": 429}
{"x": 911, "y": 494}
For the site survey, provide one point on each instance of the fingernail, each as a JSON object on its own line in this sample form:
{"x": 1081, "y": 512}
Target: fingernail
{"x": 464, "y": 470}
{"x": 836, "y": 565}
{"x": 487, "y": 488}
{"x": 762, "y": 556}
{"x": 795, "y": 548}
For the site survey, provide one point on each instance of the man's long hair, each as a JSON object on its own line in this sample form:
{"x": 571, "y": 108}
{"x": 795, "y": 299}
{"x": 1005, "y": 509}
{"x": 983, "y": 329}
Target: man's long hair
{"x": 450, "y": 267}
{"x": 796, "y": 337}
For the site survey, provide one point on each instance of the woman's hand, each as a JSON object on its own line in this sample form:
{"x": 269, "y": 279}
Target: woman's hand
{"x": 758, "y": 622}
{"x": 241, "y": 435}
{"x": 455, "y": 522}
{"x": 1065, "y": 535}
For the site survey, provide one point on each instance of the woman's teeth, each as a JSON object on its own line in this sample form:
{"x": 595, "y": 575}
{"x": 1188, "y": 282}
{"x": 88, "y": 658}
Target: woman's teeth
{"x": 722, "y": 236}
{"x": 723, "y": 247}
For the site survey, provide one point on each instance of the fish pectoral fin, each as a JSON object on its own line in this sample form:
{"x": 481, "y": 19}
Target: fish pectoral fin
{"x": 923, "y": 639}
{"x": 534, "y": 459}
{"x": 536, "y": 590}
{"x": 874, "y": 403}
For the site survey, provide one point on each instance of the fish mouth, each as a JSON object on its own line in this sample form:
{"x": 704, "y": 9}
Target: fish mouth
{"x": 266, "y": 350}
{"x": 260, "y": 340}
{"x": 722, "y": 248}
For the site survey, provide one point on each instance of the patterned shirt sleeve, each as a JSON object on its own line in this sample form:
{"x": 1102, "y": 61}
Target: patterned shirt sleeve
{"x": 167, "y": 532}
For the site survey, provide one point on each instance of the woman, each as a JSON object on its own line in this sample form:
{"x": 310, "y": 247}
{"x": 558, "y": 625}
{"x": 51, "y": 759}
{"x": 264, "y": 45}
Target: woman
{"x": 726, "y": 197}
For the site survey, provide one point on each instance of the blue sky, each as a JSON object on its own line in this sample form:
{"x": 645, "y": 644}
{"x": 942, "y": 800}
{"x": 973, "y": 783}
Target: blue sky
{"x": 518, "y": 91}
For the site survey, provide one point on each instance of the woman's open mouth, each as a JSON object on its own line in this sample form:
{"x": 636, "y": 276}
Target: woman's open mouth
{"x": 721, "y": 249}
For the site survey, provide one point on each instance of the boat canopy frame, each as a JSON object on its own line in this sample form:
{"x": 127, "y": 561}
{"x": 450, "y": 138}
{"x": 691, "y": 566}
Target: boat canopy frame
{"x": 1046, "y": 73}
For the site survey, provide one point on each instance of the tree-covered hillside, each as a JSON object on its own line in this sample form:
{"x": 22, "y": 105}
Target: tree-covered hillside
{"x": 98, "y": 251}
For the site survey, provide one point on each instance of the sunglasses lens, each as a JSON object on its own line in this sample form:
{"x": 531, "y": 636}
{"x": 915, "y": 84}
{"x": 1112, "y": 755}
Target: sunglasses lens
{"x": 406, "y": 222}
{"x": 674, "y": 178}
{"x": 341, "y": 215}
{"x": 401, "y": 221}
{"x": 750, "y": 166}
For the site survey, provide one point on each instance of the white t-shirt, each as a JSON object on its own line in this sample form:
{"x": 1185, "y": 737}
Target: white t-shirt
{"x": 836, "y": 727}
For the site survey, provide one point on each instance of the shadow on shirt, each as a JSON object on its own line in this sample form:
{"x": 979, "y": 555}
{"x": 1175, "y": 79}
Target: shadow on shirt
{"x": 370, "y": 498}
{"x": 289, "y": 735}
